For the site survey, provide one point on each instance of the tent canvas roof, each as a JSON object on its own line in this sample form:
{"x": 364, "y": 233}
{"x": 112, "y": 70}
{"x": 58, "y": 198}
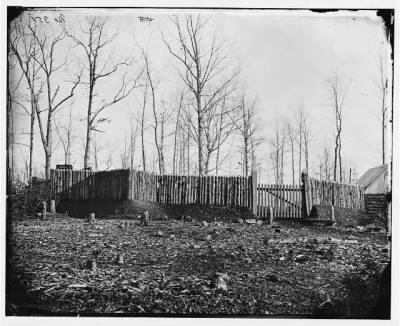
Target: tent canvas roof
{"x": 375, "y": 180}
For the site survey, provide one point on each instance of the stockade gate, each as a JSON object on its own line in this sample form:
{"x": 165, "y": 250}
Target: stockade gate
{"x": 286, "y": 201}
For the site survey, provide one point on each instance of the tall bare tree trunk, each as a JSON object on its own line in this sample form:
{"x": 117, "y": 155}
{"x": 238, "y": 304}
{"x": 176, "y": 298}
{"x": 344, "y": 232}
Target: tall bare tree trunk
{"x": 282, "y": 156}
{"x": 335, "y": 160}
{"x": 142, "y": 126}
{"x": 245, "y": 156}
{"x": 300, "y": 143}
{"x": 188, "y": 150}
{"x": 200, "y": 135}
{"x": 383, "y": 87}
{"x": 32, "y": 135}
{"x": 10, "y": 138}
{"x": 49, "y": 136}
{"x": 161, "y": 155}
{"x": 177, "y": 126}
{"x": 86, "y": 158}
{"x": 132, "y": 146}
{"x": 340, "y": 162}
{"x": 383, "y": 141}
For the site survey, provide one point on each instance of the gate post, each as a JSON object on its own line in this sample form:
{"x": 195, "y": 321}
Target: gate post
{"x": 254, "y": 191}
{"x": 304, "y": 195}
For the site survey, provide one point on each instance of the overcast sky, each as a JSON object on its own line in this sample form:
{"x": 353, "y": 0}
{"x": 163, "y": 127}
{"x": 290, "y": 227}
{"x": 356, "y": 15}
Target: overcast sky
{"x": 285, "y": 58}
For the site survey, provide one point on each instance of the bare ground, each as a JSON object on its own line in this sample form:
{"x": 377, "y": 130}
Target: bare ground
{"x": 187, "y": 267}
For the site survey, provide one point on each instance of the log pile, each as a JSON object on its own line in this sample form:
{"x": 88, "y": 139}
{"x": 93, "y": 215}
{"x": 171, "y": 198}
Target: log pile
{"x": 376, "y": 205}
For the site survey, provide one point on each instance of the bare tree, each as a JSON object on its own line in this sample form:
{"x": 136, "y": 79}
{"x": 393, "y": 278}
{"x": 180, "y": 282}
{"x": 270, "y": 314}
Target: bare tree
{"x": 109, "y": 160}
{"x": 102, "y": 152}
{"x": 96, "y": 149}
{"x": 275, "y": 154}
{"x": 124, "y": 155}
{"x": 183, "y": 144}
{"x": 225, "y": 127}
{"x": 65, "y": 135}
{"x": 291, "y": 134}
{"x": 202, "y": 62}
{"x": 156, "y": 127}
{"x": 94, "y": 41}
{"x": 326, "y": 165}
{"x": 24, "y": 48}
{"x": 12, "y": 89}
{"x": 48, "y": 63}
{"x": 282, "y": 158}
{"x": 142, "y": 124}
{"x": 218, "y": 127}
{"x": 177, "y": 128}
{"x": 245, "y": 123}
{"x": 383, "y": 90}
{"x": 306, "y": 140}
{"x": 338, "y": 95}
{"x": 10, "y": 139}
{"x": 163, "y": 118}
{"x": 132, "y": 145}
{"x": 300, "y": 132}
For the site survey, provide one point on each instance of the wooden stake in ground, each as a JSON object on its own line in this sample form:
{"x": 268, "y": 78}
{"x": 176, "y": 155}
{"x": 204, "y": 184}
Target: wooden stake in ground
{"x": 44, "y": 211}
{"x": 144, "y": 221}
{"x": 92, "y": 218}
{"x": 120, "y": 259}
{"x": 92, "y": 265}
{"x": 270, "y": 216}
{"x": 52, "y": 206}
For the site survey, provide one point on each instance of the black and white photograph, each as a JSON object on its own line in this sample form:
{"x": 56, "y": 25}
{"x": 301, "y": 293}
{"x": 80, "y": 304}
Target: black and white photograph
{"x": 165, "y": 162}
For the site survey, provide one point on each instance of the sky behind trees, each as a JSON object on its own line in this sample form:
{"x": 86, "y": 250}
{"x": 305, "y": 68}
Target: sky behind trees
{"x": 285, "y": 58}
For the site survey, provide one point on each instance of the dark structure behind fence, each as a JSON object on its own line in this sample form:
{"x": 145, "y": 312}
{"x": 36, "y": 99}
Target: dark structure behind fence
{"x": 84, "y": 184}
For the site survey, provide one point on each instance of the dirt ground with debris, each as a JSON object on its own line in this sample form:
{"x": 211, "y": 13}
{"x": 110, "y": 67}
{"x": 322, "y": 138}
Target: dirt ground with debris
{"x": 198, "y": 265}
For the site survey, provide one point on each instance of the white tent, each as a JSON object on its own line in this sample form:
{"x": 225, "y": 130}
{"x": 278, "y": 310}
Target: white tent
{"x": 375, "y": 180}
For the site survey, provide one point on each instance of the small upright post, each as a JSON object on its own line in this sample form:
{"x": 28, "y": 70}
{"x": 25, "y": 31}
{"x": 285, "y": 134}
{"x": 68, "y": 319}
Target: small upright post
{"x": 52, "y": 206}
{"x": 270, "y": 215}
{"x": 254, "y": 191}
{"x": 44, "y": 211}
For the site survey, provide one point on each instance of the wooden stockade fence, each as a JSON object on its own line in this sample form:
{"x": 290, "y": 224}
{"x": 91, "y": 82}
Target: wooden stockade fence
{"x": 168, "y": 189}
{"x": 285, "y": 200}
{"x": 318, "y": 192}
{"x": 207, "y": 190}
